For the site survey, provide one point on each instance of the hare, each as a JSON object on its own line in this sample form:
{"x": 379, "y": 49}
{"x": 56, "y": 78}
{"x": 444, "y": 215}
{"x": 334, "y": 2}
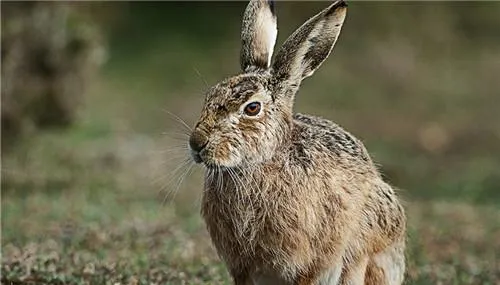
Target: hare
{"x": 291, "y": 198}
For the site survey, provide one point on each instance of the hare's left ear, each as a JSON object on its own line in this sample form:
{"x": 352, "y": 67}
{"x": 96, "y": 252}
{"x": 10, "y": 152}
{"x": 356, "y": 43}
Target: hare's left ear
{"x": 258, "y": 35}
{"x": 305, "y": 50}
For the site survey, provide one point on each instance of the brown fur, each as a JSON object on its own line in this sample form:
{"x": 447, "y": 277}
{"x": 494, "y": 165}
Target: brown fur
{"x": 294, "y": 199}
{"x": 374, "y": 274}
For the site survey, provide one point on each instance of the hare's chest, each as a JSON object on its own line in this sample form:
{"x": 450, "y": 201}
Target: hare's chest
{"x": 259, "y": 234}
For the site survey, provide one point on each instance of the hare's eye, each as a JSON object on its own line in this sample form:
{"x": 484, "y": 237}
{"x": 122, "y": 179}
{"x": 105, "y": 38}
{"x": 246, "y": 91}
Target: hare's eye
{"x": 252, "y": 109}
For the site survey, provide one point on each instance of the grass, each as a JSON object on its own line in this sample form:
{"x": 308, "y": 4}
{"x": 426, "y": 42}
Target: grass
{"x": 98, "y": 203}
{"x": 79, "y": 207}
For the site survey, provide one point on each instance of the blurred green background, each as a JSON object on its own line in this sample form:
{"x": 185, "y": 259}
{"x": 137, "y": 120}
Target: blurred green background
{"x": 94, "y": 188}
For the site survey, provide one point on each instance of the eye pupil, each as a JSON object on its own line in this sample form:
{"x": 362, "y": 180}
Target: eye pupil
{"x": 252, "y": 109}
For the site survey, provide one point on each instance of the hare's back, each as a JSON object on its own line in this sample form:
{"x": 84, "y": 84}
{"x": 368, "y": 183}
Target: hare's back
{"x": 315, "y": 133}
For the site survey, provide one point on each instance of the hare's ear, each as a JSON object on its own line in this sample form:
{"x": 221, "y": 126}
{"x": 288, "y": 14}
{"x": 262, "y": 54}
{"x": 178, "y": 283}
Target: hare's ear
{"x": 305, "y": 50}
{"x": 258, "y": 35}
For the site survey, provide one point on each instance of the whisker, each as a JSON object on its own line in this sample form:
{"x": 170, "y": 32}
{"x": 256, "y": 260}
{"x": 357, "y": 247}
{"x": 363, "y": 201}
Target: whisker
{"x": 219, "y": 179}
{"x": 200, "y": 76}
{"x": 236, "y": 186}
{"x": 250, "y": 192}
{"x": 178, "y": 119}
{"x": 170, "y": 190}
{"x": 180, "y": 141}
{"x": 179, "y": 183}
{"x": 172, "y": 134}
{"x": 178, "y": 150}
{"x": 169, "y": 156}
{"x": 172, "y": 175}
{"x": 199, "y": 195}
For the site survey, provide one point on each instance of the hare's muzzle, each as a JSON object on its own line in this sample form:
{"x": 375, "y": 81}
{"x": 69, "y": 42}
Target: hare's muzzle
{"x": 197, "y": 143}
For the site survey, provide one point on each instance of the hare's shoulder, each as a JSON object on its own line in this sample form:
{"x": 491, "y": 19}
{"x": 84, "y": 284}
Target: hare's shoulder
{"x": 320, "y": 134}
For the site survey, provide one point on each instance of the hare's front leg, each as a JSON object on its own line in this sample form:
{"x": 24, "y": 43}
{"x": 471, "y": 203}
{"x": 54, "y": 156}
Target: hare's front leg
{"x": 304, "y": 279}
{"x": 387, "y": 267}
{"x": 331, "y": 276}
{"x": 240, "y": 277}
{"x": 312, "y": 277}
{"x": 354, "y": 272}
{"x": 322, "y": 276}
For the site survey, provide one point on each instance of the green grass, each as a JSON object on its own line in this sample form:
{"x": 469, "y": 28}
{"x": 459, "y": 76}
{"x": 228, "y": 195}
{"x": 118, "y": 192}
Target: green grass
{"x": 83, "y": 209}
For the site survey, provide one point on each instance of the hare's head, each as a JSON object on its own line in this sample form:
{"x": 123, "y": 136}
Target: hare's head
{"x": 247, "y": 116}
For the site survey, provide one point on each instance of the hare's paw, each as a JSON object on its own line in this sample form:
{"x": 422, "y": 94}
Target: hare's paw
{"x": 387, "y": 267}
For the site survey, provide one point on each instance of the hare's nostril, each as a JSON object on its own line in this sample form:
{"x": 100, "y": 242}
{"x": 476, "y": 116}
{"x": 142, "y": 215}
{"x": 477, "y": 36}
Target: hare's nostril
{"x": 197, "y": 141}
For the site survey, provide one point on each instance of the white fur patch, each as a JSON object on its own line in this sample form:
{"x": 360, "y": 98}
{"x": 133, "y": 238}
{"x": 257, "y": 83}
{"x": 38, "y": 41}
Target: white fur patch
{"x": 392, "y": 261}
{"x": 331, "y": 277}
{"x": 268, "y": 31}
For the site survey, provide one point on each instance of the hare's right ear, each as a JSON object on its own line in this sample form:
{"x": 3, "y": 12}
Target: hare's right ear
{"x": 305, "y": 50}
{"x": 258, "y": 35}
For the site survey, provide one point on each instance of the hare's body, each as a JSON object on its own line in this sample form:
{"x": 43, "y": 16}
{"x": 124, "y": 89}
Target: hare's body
{"x": 319, "y": 206}
{"x": 292, "y": 199}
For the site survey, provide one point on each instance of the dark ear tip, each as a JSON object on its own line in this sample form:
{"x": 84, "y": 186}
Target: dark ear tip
{"x": 337, "y": 5}
{"x": 271, "y": 6}
{"x": 340, "y": 4}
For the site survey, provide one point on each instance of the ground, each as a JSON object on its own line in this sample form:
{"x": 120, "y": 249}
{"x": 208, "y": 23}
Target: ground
{"x": 96, "y": 217}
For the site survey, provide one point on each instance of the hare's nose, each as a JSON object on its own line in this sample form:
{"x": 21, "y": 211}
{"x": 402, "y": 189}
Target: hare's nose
{"x": 197, "y": 141}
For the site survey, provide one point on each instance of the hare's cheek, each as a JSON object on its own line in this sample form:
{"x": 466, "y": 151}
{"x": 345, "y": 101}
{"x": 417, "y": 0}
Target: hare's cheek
{"x": 226, "y": 154}
{"x": 234, "y": 155}
{"x": 252, "y": 131}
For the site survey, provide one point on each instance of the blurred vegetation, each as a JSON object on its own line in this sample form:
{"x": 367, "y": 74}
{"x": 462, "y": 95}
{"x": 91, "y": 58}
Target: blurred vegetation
{"x": 417, "y": 82}
{"x": 48, "y": 56}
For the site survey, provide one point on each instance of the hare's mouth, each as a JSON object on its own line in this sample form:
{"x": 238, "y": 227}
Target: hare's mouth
{"x": 200, "y": 157}
{"x": 212, "y": 158}
{"x": 196, "y": 157}
{"x": 210, "y": 162}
